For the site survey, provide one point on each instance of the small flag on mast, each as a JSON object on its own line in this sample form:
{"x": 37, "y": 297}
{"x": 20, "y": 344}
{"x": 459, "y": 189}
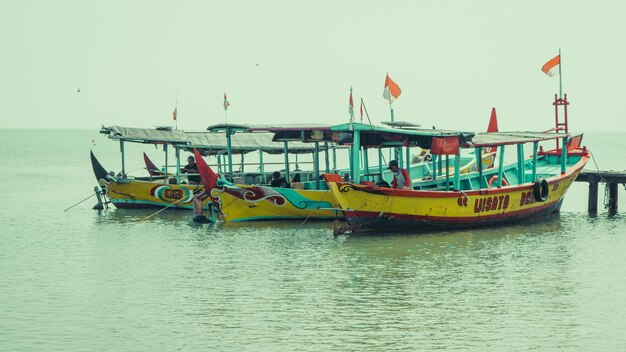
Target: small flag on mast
{"x": 551, "y": 67}
{"x": 351, "y": 107}
{"x": 361, "y": 109}
{"x": 392, "y": 90}
{"x": 174, "y": 113}
{"x": 226, "y": 103}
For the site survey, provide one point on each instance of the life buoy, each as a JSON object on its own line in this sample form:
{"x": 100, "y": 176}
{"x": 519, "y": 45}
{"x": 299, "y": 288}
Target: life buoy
{"x": 494, "y": 178}
{"x": 541, "y": 190}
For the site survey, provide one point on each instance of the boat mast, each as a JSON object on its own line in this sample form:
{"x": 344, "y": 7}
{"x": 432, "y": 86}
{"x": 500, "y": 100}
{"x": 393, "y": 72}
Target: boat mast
{"x": 561, "y": 100}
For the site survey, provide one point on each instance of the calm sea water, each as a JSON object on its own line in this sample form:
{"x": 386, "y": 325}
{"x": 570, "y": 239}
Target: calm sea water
{"x": 103, "y": 281}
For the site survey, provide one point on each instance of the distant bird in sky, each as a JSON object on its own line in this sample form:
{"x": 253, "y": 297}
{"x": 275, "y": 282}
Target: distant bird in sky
{"x": 78, "y": 90}
{"x": 257, "y": 64}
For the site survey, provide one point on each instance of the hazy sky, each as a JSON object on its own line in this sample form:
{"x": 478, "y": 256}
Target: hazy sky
{"x": 294, "y": 61}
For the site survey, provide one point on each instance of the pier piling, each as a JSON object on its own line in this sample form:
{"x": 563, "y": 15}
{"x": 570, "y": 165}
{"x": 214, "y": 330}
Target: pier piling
{"x": 611, "y": 178}
{"x": 612, "y": 204}
{"x": 592, "y": 204}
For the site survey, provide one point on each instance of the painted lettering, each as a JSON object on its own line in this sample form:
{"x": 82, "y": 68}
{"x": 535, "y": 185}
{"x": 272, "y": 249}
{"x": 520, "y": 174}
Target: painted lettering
{"x": 527, "y": 198}
{"x": 478, "y": 205}
{"x": 491, "y": 203}
{"x": 173, "y": 193}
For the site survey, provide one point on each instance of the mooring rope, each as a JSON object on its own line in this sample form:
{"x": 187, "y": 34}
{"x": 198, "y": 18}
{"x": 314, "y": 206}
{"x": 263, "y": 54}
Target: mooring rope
{"x": 93, "y": 194}
{"x": 310, "y": 213}
{"x": 597, "y": 168}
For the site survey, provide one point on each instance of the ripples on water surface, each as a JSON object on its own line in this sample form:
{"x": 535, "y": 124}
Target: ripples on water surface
{"x": 88, "y": 280}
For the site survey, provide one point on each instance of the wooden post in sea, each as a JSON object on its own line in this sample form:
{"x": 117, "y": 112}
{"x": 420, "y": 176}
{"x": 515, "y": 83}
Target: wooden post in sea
{"x": 612, "y": 197}
{"x": 592, "y": 202}
{"x": 611, "y": 178}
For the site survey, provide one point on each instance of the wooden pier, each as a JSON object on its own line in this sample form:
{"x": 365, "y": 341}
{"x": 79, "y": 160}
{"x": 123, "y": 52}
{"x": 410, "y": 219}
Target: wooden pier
{"x": 610, "y": 178}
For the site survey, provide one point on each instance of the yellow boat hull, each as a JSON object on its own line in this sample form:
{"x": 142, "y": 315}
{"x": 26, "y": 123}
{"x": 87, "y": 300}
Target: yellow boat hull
{"x": 139, "y": 194}
{"x": 370, "y": 207}
{"x": 237, "y": 203}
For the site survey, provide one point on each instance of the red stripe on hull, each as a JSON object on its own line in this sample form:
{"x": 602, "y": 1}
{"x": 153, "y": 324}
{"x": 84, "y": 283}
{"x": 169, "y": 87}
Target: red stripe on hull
{"x": 371, "y": 220}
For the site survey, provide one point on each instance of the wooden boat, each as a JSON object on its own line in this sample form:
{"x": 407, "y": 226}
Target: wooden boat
{"x": 144, "y": 192}
{"x": 160, "y": 189}
{"x": 238, "y": 202}
{"x": 531, "y": 188}
{"x": 163, "y": 188}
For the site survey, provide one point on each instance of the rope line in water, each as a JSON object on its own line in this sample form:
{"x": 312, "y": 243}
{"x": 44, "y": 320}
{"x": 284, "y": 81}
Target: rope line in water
{"x": 310, "y": 213}
{"x": 93, "y": 194}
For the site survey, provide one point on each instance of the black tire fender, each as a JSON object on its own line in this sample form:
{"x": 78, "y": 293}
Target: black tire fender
{"x": 541, "y": 190}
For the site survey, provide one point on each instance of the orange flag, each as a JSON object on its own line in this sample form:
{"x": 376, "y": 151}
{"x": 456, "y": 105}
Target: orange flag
{"x": 551, "y": 67}
{"x": 392, "y": 90}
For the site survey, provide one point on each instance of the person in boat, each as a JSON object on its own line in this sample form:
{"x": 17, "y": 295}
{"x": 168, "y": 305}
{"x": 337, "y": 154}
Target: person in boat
{"x": 295, "y": 181}
{"x": 278, "y": 181}
{"x": 423, "y": 156}
{"x": 400, "y": 176}
{"x": 191, "y": 168}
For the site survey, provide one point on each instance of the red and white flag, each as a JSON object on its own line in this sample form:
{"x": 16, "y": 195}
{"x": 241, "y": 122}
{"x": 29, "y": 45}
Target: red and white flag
{"x": 361, "y": 109}
{"x": 174, "y": 113}
{"x": 392, "y": 90}
{"x": 226, "y": 103}
{"x": 351, "y": 107}
{"x": 551, "y": 67}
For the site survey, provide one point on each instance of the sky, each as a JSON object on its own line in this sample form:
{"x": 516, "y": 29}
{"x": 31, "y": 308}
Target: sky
{"x": 285, "y": 62}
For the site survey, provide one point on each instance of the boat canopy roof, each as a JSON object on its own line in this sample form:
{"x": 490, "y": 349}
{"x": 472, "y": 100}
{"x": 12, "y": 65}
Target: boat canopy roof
{"x": 292, "y": 127}
{"x": 145, "y": 135}
{"x": 241, "y": 143}
{"x": 308, "y": 132}
{"x": 493, "y": 139}
{"x": 377, "y": 136}
{"x": 209, "y": 143}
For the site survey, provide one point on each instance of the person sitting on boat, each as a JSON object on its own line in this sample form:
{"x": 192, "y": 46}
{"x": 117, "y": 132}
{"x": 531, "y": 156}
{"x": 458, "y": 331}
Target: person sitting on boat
{"x": 278, "y": 181}
{"x": 191, "y": 168}
{"x": 423, "y": 156}
{"x": 400, "y": 176}
{"x": 296, "y": 183}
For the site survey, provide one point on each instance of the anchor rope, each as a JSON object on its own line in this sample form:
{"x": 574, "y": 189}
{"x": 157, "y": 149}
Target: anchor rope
{"x": 310, "y": 213}
{"x": 607, "y": 194}
{"x": 597, "y": 168}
